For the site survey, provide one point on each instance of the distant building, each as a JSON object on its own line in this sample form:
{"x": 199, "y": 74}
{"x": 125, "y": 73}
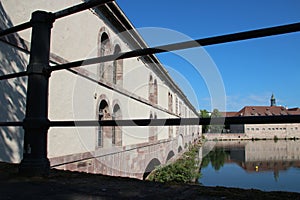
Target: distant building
{"x": 283, "y": 130}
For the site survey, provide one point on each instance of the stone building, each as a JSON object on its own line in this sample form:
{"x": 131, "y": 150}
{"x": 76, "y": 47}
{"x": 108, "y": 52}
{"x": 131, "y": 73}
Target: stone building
{"x": 126, "y": 89}
{"x": 284, "y": 130}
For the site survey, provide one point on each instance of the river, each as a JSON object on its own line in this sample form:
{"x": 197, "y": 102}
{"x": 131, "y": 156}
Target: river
{"x": 267, "y": 165}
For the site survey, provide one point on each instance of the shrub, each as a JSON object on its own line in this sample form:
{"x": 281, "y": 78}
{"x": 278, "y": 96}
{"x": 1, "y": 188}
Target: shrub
{"x": 183, "y": 170}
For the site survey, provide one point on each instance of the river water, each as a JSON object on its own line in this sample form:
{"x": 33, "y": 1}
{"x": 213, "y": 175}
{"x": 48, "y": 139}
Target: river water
{"x": 266, "y": 164}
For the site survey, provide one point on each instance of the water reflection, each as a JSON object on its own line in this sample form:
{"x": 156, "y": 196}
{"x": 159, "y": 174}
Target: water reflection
{"x": 266, "y": 165}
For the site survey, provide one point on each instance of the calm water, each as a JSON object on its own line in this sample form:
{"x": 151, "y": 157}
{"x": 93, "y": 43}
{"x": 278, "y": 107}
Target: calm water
{"x": 264, "y": 165}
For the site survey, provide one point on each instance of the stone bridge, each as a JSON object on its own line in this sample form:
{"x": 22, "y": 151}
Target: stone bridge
{"x": 135, "y": 161}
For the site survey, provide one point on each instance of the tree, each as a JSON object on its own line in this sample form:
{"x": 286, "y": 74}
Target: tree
{"x": 204, "y": 114}
{"x": 216, "y": 128}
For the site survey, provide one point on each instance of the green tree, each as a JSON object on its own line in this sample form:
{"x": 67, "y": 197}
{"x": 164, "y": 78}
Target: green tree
{"x": 204, "y": 114}
{"x": 217, "y": 158}
{"x": 216, "y": 128}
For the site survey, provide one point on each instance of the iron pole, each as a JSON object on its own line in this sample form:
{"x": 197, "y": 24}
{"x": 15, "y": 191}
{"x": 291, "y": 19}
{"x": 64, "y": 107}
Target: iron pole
{"x": 36, "y": 122}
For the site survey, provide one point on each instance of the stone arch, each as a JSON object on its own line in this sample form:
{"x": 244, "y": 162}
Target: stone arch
{"x": 155, "y": 94}
{"x": 170, "y": 155}
{"x": 180, "y": 143}
{"x": 150, "y": 167}
{"x": 170, "y": 102}
{"x": 170, "y": 109}
{"x": 179, "y": 149}
{"x": 103, "y": 114}
{"x": 101, "y": 98}
{"x": 104, "y": 48}
{"x": 151, "y": 89}
{"x": 116, "y": 130}
{"x": 117, "y": 68}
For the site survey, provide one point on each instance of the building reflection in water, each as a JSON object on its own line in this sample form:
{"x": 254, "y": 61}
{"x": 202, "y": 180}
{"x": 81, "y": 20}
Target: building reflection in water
{"x": 253, "y": 156}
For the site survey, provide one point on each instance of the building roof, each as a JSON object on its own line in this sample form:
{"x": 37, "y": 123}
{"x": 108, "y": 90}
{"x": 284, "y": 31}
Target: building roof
{"x": 263, "y": 111}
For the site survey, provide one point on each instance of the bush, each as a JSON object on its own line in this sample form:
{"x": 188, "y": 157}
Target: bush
{"x": 184, "y": 170}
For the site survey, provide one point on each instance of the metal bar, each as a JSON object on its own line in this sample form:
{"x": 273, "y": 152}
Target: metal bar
{"x": 13, "y": 75}
{"x": 182, "y": 121}
{"x": 36, "y": 122}
{"x": 11, "y": 124}
{"x": 15, "y": 46}
{"x": 14, "y": 29}
{"x": 173, "y": 121}
{"x": 79, "y": 8}
{"x": 57, "y": 15}
{"x": 185, "y": 45}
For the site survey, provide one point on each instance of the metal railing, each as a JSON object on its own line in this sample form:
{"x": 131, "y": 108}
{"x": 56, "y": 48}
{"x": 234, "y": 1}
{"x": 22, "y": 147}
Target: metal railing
{"x": 36, "y": 122}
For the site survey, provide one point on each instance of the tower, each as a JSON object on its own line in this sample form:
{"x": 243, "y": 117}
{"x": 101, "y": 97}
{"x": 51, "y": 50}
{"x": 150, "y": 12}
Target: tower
{"x": 273, "y": 100}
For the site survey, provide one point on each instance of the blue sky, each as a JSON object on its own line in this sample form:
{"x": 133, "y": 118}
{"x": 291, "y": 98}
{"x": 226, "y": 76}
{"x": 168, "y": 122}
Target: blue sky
{"x": 251, "y": 70}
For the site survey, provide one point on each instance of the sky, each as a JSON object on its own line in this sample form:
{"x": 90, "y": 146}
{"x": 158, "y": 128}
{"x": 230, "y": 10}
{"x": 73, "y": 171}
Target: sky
{"x": 248, "y": 71}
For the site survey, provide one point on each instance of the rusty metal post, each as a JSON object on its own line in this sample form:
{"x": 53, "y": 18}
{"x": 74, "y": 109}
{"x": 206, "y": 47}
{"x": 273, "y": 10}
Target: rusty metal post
{"x": 36, "y": 122}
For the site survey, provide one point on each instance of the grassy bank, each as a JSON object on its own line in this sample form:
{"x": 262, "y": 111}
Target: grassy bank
{"x": 183, "y": 170}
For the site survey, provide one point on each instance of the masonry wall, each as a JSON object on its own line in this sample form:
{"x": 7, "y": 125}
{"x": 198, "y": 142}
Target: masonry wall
{"x": 79, "y": 97}
{"x": 12, "y": 93}
{"x": 270, "y": 131}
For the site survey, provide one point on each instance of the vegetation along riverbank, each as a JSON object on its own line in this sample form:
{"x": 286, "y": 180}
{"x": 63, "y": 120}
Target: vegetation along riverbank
{"x": 183, "y": 170}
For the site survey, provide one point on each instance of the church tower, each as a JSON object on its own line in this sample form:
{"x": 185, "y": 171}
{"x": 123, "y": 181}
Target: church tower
{"x": 273, "y": 100}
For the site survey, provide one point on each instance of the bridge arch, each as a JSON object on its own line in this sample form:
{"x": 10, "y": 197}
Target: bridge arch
{"x": 170, "y": 155}
{"x": 150, "y": 167}
{"x": 180, "y": 143}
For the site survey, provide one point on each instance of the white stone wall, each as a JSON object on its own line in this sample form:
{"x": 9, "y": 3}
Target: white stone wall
{"x": 12, "y": 94}
{"x": 269, "y": 131}
{"x": 73, "y": 97}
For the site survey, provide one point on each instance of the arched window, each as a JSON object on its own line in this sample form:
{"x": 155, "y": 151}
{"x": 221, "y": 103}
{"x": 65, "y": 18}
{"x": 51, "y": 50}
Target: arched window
{"x": 155, "y": 91}
{"x": 151, "y": 130}
{"x": 170, "y": 102}
{"x": 170, "y": 108}
{"x": 116, "y": 130}
{"x": 155, "y": 129}
{"x": 102, "y": 115}
{"x": 117, "y": 72}
{"x": 103, "y": 51}
{"x": 176, "y": 104}
{"x": 151, "y": 89}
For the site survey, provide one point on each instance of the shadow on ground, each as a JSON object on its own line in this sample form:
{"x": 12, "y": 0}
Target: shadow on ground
{"x": 76, "y": 185}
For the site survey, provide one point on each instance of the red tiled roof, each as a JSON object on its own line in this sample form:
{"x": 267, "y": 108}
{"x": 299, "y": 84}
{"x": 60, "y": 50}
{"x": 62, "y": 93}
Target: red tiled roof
{"x": 263, "y": 111}
{"x": 228, "y": 114}
{"x": 294, "y": 111}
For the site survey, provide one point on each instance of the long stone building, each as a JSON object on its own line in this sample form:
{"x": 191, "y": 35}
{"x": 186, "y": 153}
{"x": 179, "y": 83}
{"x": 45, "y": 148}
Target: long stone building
{"x": 261, "y": 131}
{"x": 126, "y": 89}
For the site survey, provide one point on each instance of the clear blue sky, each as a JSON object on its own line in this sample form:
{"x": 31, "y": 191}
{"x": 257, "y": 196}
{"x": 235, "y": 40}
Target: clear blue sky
{"x": 251, "y": 70}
